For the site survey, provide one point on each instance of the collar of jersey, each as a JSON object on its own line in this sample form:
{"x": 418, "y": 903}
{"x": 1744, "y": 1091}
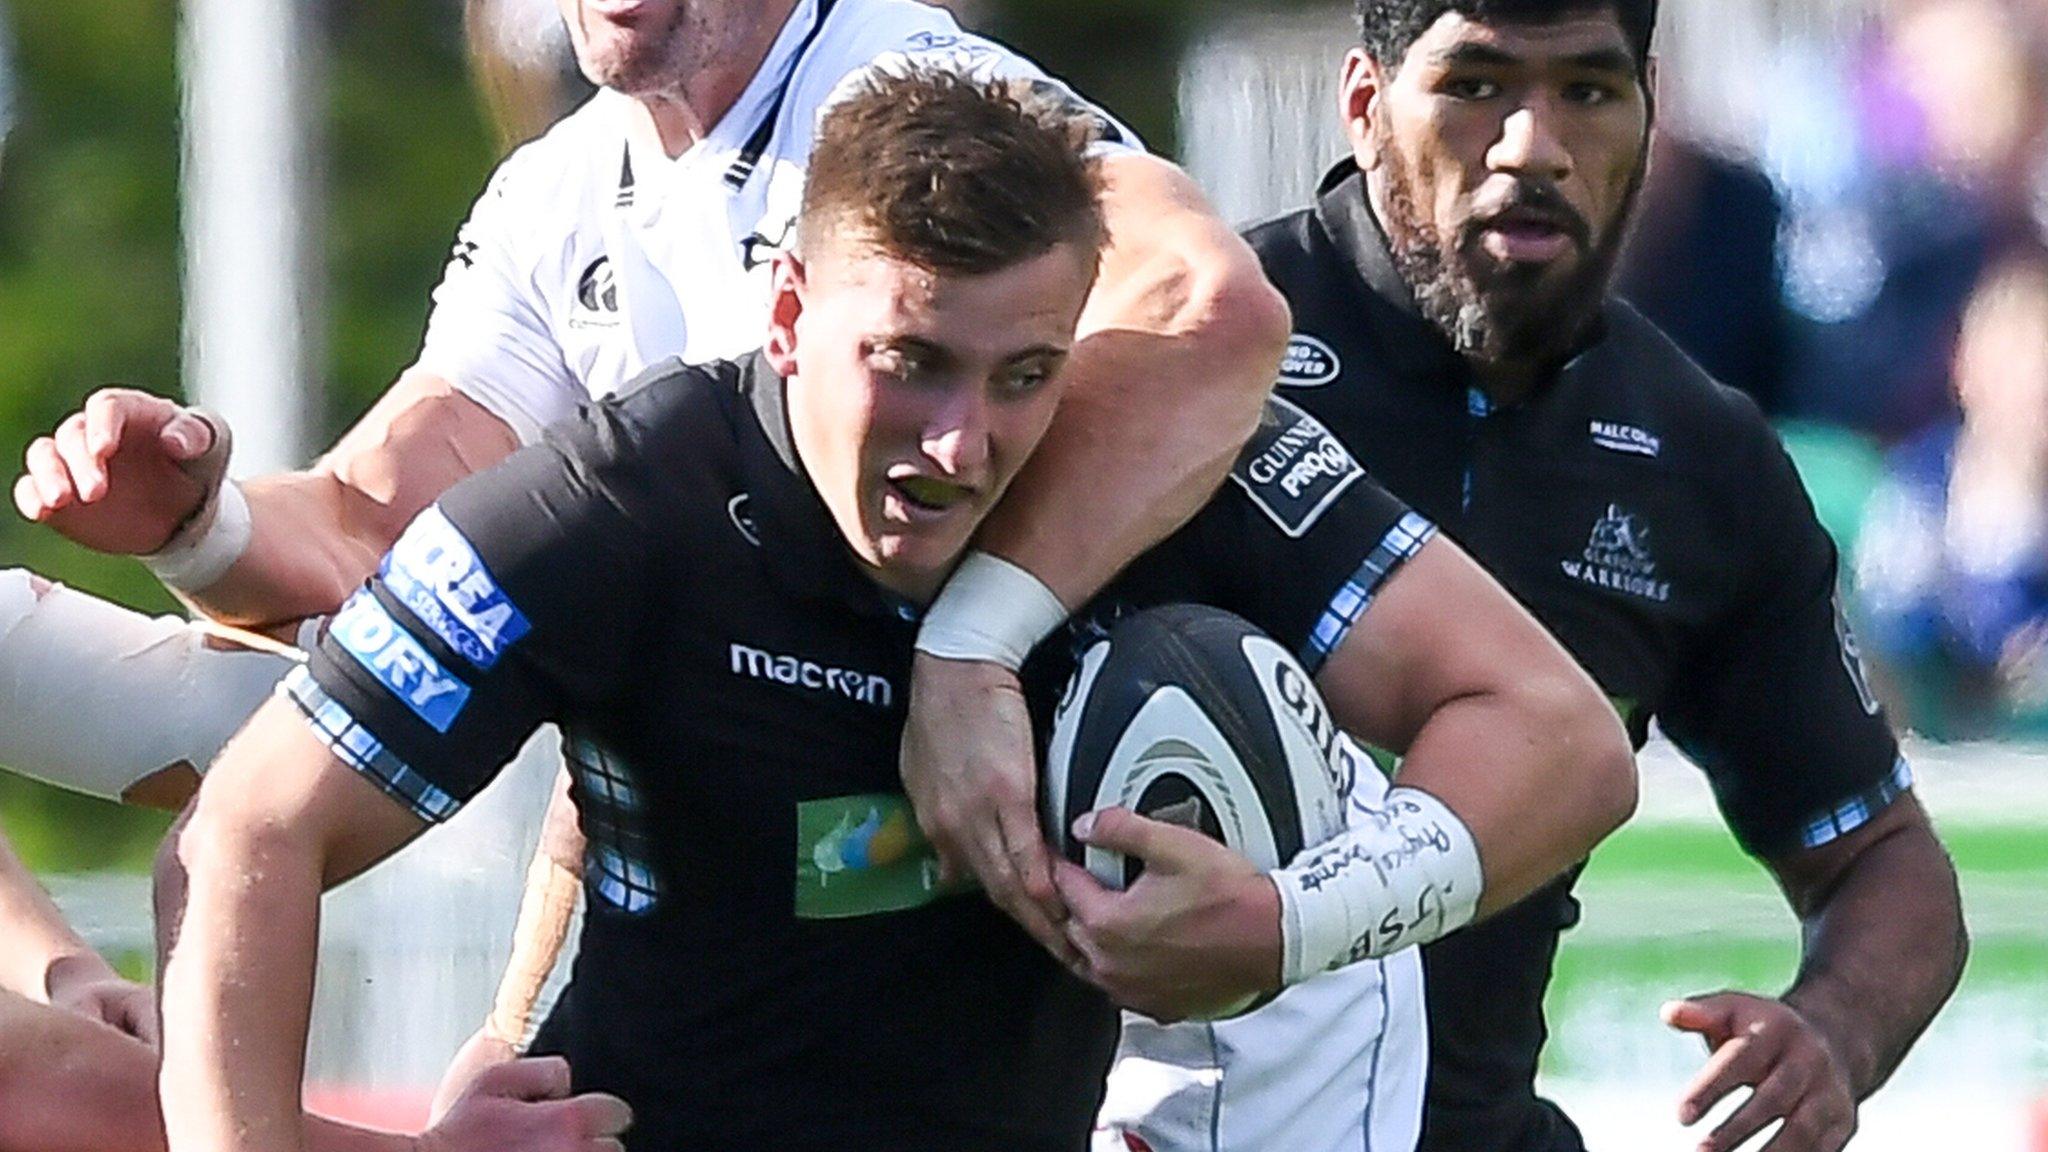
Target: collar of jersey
{"x": 806, "y": 555}
{"x": 652, "y": 169}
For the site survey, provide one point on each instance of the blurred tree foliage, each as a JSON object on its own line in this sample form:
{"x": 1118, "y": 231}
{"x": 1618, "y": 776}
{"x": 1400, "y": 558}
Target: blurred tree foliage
{"x": 89, "y": 264}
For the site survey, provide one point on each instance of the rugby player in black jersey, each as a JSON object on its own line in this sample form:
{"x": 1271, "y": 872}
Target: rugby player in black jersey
{"x": 713, "y": 583}
{"x": 1453, "y": 326}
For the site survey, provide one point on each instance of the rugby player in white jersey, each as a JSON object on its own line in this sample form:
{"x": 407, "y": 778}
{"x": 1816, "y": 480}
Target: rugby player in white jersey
{"x": 642, "y": 226}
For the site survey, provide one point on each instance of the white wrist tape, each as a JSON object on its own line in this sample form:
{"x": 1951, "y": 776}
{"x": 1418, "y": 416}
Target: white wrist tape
{"x": 96, "y": 698}
{"x": 202, "y": 551}
{"x": 990, "y": 610}
{"x": 1405, "y": 872}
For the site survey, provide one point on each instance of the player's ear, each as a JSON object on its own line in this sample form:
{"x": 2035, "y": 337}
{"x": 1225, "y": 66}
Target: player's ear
{"x": 1651, "y": 72}
{"x": 785, "y": 305}
{"x": 1359, "y": 89}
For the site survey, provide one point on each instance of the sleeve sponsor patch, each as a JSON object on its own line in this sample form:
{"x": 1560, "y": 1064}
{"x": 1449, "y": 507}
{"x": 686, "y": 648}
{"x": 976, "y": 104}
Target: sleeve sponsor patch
{"x": 1293, "y": 467}
{"x": 398, "y": 661}
{"x": 436, "y": 574}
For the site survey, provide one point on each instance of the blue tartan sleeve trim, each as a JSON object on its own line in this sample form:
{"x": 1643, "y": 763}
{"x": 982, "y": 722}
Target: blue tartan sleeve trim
{"x": 354, "y": 746}
{"x": 1401, "y": 542}
{"x": 1859, "y": 809}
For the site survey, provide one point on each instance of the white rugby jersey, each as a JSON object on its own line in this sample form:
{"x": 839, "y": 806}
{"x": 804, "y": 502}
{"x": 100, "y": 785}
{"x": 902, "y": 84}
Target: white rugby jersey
{"x": 1333, "y": 1064}
{"x": 591, "y": 255}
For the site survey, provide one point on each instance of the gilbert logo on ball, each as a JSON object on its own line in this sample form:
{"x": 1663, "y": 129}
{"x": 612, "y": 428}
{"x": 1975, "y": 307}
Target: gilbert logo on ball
{"x": 1191, "y": 715}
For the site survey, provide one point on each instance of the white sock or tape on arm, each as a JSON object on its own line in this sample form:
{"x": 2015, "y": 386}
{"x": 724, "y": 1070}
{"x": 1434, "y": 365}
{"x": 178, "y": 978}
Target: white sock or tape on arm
{"x": 209, "y": 542}
{"x": 1405, "y": 872}
{"x": 17, "y": 599}
{"x": 202, "y": 551}
{"x": 95, "y": 697}
{"x": 990, "y": 610}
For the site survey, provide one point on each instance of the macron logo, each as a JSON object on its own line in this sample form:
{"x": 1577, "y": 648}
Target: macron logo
{"x": 860, "y": 687}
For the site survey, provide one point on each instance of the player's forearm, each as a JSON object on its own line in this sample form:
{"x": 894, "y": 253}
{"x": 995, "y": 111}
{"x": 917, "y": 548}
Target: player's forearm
{"x": 238, "y": 989}
{"x": 35, "y": 940}
{"x": 314, "y": 540}
{"x": 1538, "y": 775}
{"x": 324, "y": 1135}
{"x": 1178, "y": 347}
{"x": 1883, "y": 952}
{"x": 317, "y": 534}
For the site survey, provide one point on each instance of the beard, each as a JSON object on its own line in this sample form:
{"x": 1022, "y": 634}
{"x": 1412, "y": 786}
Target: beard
{"x": 1500, "y": 313}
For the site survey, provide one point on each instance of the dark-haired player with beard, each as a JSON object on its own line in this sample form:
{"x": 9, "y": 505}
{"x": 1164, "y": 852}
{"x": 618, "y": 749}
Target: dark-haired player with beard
{"x": 1453, "y": 325}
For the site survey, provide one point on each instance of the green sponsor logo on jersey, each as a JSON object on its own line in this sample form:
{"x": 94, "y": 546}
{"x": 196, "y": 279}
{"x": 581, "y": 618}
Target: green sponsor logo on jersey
{"x": 863, "y": 855}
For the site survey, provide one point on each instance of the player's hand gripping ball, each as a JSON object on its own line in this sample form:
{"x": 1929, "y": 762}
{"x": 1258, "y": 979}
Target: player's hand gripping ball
{"x": 1191, "y": 716}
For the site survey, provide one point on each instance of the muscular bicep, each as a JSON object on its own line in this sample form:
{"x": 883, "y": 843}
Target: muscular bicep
{"x": 1178, "y": 345}
{"x": 1170, "y": 256}
{"x": 281, "y": 778}
{"x": 417, "y": 441}
{"x": 1438, "y": 631}
{"x": 317, "y": 534}
{"x": 1492, "y": 716}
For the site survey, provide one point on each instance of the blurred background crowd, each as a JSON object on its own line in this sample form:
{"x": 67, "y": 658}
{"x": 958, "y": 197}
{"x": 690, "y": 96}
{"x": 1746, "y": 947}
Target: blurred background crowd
{"x": 1870, "y": 262}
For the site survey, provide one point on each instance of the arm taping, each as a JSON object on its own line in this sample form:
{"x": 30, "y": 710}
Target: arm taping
{"x": 1405, "y": 872}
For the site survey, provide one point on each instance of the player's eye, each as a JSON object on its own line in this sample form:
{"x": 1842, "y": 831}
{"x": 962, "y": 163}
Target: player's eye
{"x": 1023, "y": 379}
{"x": 1469, "y": 88}
{"x": 1592, "y": 94}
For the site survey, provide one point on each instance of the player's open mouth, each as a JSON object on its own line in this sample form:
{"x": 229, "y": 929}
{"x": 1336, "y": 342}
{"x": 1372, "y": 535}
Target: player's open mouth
{"x": 1527, "y": 236}
{"x": 923, "y": 497}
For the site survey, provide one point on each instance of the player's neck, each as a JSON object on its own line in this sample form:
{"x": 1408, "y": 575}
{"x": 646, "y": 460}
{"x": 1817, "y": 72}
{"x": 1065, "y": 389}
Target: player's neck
{"x": 673, "y": 123}
{"x": 1505, "y": 383}
{"x": 675, "y": 119}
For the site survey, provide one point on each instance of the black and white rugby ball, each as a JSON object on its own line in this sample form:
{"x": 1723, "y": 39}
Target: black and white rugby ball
{"x": 1191, "y": 715}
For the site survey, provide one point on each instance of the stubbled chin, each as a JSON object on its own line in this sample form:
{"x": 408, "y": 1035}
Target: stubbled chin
{"x": 920, "y": 546}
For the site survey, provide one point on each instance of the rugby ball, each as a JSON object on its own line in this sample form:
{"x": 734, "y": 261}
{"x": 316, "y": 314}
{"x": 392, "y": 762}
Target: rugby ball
{"x": 1191, "y": 715}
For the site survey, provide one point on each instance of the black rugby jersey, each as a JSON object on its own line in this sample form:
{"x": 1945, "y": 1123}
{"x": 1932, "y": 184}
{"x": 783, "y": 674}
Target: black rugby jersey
{"x": 1650, "y": 519}
{"x": 766, "y": 959}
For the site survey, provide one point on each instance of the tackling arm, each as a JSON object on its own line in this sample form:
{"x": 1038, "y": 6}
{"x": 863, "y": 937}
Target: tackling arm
{"x": 127, "y": 472}
{"x": 554, "y": 882}
{"x": 1176, "y": 350}
{"x": 547, "y": 909}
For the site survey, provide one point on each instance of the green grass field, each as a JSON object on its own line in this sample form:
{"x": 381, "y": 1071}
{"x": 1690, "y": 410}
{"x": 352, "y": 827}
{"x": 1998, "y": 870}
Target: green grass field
{"x": 1672, "y": 907}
